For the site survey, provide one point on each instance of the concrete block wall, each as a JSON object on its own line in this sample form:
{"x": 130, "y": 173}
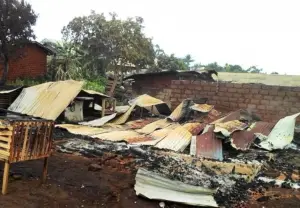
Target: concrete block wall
{"x": 269, "y": 102}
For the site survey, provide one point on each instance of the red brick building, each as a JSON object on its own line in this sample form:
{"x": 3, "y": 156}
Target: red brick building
{"x": 31, "y": 64}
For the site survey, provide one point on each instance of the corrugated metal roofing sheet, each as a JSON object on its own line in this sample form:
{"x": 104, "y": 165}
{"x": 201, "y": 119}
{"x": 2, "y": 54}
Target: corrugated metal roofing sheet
{"x": 177, "y": 140}
{"x": 281, "y": 135}
{"x": 160, "y": 124}
{"x": 242, "y": 140}
{"x": 262, "y": 129}
{"x": 140, "y": 123}
{"x": 118, "y": 135}
{"x": 10, "y": 90}
{"x": 181, "y": 111}
{"x": 92, "y": 92}
{"x": 204, "y": 108}
{"x": 100, "y": 121}
{"x": 141, "y": 101}
{"x": 194, "y": 128}
{"x": 229, "y": 127}
{"x": 46, "y": 100}
{"x": 207, "y": 145}
{"x": 82, "y": 130}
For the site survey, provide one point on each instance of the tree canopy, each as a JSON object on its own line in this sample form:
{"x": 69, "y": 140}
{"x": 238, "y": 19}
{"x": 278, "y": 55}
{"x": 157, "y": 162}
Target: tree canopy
{"x": 16, "y": 21}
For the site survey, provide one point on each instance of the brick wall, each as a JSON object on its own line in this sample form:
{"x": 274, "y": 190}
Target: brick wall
{"x": 269, "y": 102}
{"x": 32, "y": 64}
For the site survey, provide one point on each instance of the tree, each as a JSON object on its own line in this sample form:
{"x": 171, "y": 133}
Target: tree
{"x": 67, "y": 63}
{"x": 111, "y": 44}
{"x": 188, "y": 60}
{"x": 274, "y": 73}
{"x": 254, "y": 69}
{"x": 214, "y": 66}
{"x": 170, "y": 63}
{"x": 16, "y": 21}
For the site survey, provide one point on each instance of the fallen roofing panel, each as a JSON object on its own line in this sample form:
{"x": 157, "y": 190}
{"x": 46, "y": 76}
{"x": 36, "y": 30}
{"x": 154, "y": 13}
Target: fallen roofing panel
{"x": 140, "y": 123}
{"x": 229, "y": 127}
{"x": 118, "y": 135}
{"x": 207, "y": 145}
{"x": 194, "y": 128}
{"x": 160, "y": 124}
{"x": 246, "y": 115}
{"x": 181, "y": 111}
{"x": 242, "y": 140}
{"x": 10, "y": 90}
{"x": 100, "y": 121}
{"x": 143, "y": 101}
{"x": 95, "y": 93}
{"x": 46, "y": 100}
{"x": 154, "y": 186}
{"x": 81, "y": 130}
{"x": 203, "y": 108}
{"x": 177, "y": 140}
{"x": 262, "y": 129}
{"x": 281, "y": 135}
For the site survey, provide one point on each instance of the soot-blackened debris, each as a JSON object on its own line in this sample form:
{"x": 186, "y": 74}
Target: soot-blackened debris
{"x": 238, "y": 194}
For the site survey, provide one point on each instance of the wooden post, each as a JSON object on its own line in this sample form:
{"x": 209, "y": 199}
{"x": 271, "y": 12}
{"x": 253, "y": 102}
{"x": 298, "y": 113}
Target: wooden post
{"x": 5, "y": 178}
{"x": 45, "y": 170}
{"x": 103, "y": 108}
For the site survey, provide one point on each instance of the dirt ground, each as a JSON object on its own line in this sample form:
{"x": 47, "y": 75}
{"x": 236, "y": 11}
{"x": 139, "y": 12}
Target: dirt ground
{"x": 72, "y": 184}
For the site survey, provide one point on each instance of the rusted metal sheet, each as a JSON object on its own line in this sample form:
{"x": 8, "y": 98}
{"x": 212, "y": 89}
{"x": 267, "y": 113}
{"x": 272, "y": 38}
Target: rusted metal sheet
{"x": 229, "y": 127}
{"x": 213, "y": 115}
{"x": 138, "y": 124}
{"x": 181, "y": 111}
{"x": 160, "y": 124}
{"x": 46, "y": 100}
{"x": 242, "y": 115}
{"x": 194, "y": 128}
{"x": 81, "y": 130}
{"x": 177, "y": 140}
{"x": 242, "y": 140}
{"x": 203, "y": 108}
{"x": 262, "y": 129}
{"x": 207, "y": 145}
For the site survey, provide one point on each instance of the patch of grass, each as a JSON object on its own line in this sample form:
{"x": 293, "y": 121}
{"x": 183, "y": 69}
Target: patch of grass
{"x": 268, "y": 79}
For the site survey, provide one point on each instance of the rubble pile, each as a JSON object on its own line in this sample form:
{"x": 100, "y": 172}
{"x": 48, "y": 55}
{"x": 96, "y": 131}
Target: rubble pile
{"x": 196, "y": 154}
{"x": 228, "y": 153}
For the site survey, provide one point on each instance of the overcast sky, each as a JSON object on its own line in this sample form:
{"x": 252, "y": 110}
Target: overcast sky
{"x": 265, "y": 33}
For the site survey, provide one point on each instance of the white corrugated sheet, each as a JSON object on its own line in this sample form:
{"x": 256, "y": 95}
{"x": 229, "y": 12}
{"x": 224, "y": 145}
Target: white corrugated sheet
{"x": 46, "y": 100}
{"x": 154, "y": 186}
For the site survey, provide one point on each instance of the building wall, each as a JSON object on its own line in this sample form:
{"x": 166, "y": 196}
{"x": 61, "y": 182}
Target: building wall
{"x": 269, "y": 102}
{"x": 152, "y": 85}
{"x": 32, "y": 64}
